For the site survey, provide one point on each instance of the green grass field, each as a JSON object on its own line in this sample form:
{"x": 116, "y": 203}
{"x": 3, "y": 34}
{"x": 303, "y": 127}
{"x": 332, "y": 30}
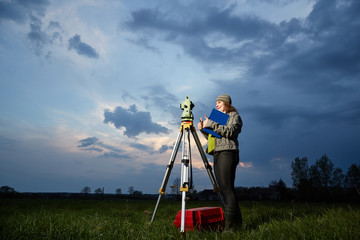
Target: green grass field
{"x": 122, "y": 219}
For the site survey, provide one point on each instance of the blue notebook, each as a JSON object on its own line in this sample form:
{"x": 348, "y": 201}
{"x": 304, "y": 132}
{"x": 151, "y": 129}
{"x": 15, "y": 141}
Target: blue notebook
{"x": 218, "y": 117}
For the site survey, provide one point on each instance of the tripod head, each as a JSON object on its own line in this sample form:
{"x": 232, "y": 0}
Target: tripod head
{"x": 187, "y": 106}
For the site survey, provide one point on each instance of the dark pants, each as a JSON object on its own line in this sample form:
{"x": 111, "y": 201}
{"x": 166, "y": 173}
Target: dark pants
{"x": 225, "y": 163}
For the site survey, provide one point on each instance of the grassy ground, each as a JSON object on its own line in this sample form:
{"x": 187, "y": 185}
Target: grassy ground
{"x": 105, "y": 219}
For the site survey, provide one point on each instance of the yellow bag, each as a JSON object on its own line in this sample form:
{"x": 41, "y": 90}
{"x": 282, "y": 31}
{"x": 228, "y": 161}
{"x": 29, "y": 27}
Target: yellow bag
{"x": 211, "y": 144}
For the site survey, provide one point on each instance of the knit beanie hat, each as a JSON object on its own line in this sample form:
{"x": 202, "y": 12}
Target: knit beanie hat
{"x": 224, "y": 98}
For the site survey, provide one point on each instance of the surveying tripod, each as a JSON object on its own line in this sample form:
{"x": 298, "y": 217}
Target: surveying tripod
{"x": 184, "y": 135}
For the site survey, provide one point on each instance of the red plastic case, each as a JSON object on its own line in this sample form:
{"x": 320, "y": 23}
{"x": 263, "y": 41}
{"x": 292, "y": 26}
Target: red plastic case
{"x": 203, "y": 218}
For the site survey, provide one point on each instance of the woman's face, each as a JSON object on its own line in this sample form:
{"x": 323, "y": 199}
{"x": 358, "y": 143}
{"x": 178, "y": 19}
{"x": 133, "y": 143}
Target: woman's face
{"x": 220, "y": 106}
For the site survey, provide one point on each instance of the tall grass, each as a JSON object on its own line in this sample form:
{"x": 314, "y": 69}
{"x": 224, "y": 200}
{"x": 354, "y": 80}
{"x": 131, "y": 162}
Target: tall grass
{"x": 105, "y": 219}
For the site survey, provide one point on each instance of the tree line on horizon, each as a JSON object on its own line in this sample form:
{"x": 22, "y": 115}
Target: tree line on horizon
{"x": 322, "y": 179}
{"x": 319, "y": 181}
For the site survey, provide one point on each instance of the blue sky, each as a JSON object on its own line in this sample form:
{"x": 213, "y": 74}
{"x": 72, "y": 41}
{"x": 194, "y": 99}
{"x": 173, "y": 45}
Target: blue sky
{"x": 90, "y": 90}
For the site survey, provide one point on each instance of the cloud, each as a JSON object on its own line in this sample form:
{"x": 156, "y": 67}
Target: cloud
{"x": 320, "y": 54}
{"x": 22, "y": 11}
{"x": 197, "y": 34}
{"x": 38, "y": 37}
{"x": 245, "y": 164}
{"x": 12, "y": 11}
{"x": 55, "y": 25}
{"x": 90, "y": 144}
{"x": 34, "y": 10}
{"x": 164, "y": 148}
{"x": 134, "y": 121}
{"x": 149, "y": 149}
{"x": 144, "y": 42}
{"x": 82, "y": 48}
{"x": 94, "y": 144}
{"x": 278, "y": 116}
{"x": 19, "y": 11}
{"x": 56, "y": 35}
{"x": 158, "y": 96}
{"x": 326, "y": 40}
{"x": 316, "y": 56}
{"x": 142, "y": 147}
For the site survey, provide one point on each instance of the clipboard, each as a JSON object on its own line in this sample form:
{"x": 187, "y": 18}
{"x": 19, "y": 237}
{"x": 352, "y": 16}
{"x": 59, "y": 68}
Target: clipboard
{"x": 218, "y": 117}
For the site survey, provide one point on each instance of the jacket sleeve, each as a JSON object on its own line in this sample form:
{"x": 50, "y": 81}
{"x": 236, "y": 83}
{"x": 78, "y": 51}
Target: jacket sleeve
{"x": 231, "y": 129}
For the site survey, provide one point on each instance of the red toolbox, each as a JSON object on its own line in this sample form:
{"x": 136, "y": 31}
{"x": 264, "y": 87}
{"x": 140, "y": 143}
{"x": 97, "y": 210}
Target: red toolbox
{"x": 208, "y": 218}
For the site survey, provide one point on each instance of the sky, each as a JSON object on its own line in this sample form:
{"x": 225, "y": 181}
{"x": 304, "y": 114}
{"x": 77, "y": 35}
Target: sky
{"x": 90, "y": 91}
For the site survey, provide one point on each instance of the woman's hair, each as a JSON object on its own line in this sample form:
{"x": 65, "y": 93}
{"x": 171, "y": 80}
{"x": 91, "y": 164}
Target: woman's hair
{"x": 229, "y": 108}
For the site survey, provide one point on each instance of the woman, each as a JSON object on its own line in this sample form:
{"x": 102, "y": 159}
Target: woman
{"x": 226, "y": 157}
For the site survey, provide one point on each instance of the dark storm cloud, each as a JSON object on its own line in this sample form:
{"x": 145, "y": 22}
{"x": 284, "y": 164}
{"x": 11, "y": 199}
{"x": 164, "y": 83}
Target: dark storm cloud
{"x": 31, "y": 12}
{"x": 134, "y": 121}
{"x": 82, "y": 48}
{"x": 275, "y": 2}
{"x": 278, "y": 116}
{"x": 317, "y": 55}
{"x": 210, "y": 19}
{"x": 191, "y": 33}
{"x": 327, "y": 40}
{"x": 12, "y": 11}
{"x": 18, "y": 11}
{"x": 324, "y": 55}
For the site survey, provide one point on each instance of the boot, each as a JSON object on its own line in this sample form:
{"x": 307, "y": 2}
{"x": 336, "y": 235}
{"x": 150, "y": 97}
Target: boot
{"x": 233, "y": 218}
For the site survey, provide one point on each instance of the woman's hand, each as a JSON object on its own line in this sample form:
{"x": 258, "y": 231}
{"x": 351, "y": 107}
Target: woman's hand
{"x": 206, "y": 121}
{"x": 202, "y": 123}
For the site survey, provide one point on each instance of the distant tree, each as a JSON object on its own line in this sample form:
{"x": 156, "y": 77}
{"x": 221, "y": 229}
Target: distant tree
{"x": 137, "y": 193}
{"x": 278, "y": 184}
{"x": 301, "y": 178}
{"x": 315, "y": 177}
{"x": 99, "y": 191}
{"x": 118, "y": 191}
{"x": 300, "y": 172}
{"x": 86, "y": 190}
{"x": 325, "y": 167}
{"x": 280, "y": 187}
{"x": 352, "y": 178}
{"x": 338, "y": 178}
{"x": 7, "y": 189}
{"x": 272, "y": 183}
{"x": 281, "y": 184}
{"x": 131, "y": 190}
{"x": 175, "y": 187}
